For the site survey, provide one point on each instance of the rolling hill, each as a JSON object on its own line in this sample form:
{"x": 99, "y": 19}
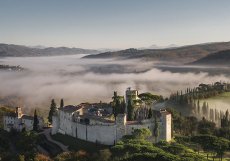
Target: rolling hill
{"x": 8, "y": 50}
{"x": 183, "y": 54}
{"x": 221, "y": 58}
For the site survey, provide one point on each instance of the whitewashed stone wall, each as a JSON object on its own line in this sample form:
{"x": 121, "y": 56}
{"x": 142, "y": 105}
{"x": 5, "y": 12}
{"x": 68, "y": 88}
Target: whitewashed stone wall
{"x": 8, "y": 120}
{"x": 147, "y": 124}
{"x": 107, "y": 134}
{"x": 20, "y": 123}
{"x": 101, "y": 134}
{"x": 28, "y": 124}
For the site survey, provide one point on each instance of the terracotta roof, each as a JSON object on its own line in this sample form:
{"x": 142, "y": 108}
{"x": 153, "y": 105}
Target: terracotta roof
{"x": 98, "y": 118}
{"x": 71, "y": 108}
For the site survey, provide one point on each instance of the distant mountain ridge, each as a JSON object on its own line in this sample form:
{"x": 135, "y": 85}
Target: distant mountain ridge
{"x": 184, "y": 54}
{"x": 159, "y": 47}
{"x": 9, "y": 50}
{"x": 221, "y": 58}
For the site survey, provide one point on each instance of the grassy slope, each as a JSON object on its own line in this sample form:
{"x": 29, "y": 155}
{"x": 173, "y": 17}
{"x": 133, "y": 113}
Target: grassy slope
{"x": 50, "y": 147}
{"x": 77, "y": 144}
{"x": 221, "y": 102}
{"x": 219, "y": 58}
{"x": 223, "y": 97}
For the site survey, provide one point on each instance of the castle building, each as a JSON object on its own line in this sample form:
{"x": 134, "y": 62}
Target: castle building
{"x": 132, "y": 97}
{"x": 19, "y": 121}
{"x": 77, "y": 122}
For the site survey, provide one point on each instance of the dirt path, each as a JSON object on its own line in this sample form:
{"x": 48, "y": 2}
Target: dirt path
{"x": 47, "y": 132}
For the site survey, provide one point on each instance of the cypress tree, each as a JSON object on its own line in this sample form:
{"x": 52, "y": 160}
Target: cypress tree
{"x": 204, "y": 112}
{"x": 150, "y": 114}
{"x": 130, "y": 111}
{"x": 53, "y": 108}
{"x": 194, "y": 106}
{"x": 36, "y": 121}
{"x": 181, "y": 98}
{"x": 62, "y": 103}
{"x": 198, "y": 106}
{"x": 177, "y": 96}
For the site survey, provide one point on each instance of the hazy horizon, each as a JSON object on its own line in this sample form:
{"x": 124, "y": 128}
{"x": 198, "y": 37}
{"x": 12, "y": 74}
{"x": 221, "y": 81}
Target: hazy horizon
{"x": 151, "y": 46}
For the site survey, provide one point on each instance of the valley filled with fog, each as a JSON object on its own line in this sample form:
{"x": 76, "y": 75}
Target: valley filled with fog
{"x": 92, "y": 80}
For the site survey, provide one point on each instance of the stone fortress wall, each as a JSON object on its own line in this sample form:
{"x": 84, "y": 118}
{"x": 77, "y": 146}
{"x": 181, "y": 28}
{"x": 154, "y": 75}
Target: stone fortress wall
{"x": 74, "y": 121}
{"x": 107, "y": 133}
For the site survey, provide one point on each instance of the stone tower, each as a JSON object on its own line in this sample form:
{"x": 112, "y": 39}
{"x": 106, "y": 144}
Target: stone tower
{"x": 166, "y": 123}
{"x": 18, "y": 112}
{"x": 130, "y": 95}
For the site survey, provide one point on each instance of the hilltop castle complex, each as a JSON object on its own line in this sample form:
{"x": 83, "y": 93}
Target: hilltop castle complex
{"x": 93, "y": 122}
{"x": 100, "y": 122}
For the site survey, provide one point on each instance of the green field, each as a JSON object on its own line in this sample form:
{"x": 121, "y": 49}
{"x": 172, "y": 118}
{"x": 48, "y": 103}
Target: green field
{"x": 223, "y": 97}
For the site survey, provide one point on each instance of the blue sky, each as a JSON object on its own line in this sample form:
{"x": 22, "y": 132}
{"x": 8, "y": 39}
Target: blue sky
{"x": 113, "y": 23}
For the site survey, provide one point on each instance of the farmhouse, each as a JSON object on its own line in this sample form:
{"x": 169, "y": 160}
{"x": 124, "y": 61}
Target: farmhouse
{"x": 19, "y": 121}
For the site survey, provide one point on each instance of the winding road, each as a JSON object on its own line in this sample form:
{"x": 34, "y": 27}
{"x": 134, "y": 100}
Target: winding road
{"x": 47, "y": 133}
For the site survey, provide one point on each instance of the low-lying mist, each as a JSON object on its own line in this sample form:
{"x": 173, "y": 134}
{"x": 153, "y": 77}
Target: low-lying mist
{"x": 89, "y": 80}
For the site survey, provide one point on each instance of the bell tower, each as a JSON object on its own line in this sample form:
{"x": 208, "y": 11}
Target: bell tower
{"x": 18, "y": 112}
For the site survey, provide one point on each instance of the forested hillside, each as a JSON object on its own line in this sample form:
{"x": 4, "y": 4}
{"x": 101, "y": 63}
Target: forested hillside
{"x": 183, "y": 54}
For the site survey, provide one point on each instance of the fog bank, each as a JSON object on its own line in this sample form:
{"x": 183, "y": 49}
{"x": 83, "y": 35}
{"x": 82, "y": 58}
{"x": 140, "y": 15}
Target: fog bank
{"x": 89, "y": 80}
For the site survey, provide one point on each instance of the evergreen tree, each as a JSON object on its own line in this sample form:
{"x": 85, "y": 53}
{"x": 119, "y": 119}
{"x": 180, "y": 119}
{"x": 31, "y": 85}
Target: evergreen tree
{"x": 181, "y": 98}
{"x": 150, "y": 113}
{"x": 198, "y": 106}
{"x": 194, "y": 107}
{"x": 53, "y": 108}
{"x": 227, "y": 115}
{"x": 62, "y": 103}
{"x": 225, "y": 119}
{"x": 177, "y": 96}
{"x": 118, "y": 104}
{"x": 216, "y": 115}
{"x": 204, "y": 112}
{"x": 130, "y": 111}
{"x": 36, "y": 121}
{"x": 135, "y": 115}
